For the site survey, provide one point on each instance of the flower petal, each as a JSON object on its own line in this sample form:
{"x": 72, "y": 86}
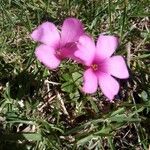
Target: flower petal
{"x": 72, "y": 29}
{"x": 90, "y": 81}
{"x": 46, "y": 33}
{"x": 46, "y": 55}
{"x": 68, "y": 51}
{"x": 86, "y": 50}
{"x": 116, "y": 66}
{"x": 108, "y": 85}
{"x": 106, "y": 46}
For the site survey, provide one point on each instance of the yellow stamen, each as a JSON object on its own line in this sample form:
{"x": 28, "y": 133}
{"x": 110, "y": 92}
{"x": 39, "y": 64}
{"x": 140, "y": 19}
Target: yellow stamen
{"x": 95, "y": 67}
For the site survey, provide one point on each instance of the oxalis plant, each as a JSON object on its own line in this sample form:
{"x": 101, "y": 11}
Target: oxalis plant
{"x": 72, "y": 42}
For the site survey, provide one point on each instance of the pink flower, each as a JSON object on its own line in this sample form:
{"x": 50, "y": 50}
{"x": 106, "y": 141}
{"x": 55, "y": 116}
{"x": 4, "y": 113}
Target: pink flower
{"x": 100, "y": 66}
{"x": 57, "y": 46}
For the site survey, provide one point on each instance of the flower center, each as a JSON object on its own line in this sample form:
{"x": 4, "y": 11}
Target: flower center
{"x": 94, "y": 67}
{"x": 58, "y": 53}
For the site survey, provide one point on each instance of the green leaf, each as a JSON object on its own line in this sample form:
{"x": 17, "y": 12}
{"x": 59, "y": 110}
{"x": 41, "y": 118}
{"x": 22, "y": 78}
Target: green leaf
{"x": 119, "y": 111}
{"x": 67, "y": 87}
{"x": 20, "y": 136}
{"x": 77, "y": 78}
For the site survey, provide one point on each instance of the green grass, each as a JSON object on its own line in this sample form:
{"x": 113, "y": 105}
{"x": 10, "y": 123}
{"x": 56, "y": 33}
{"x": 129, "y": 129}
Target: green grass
{"x": 42, "y": 109}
